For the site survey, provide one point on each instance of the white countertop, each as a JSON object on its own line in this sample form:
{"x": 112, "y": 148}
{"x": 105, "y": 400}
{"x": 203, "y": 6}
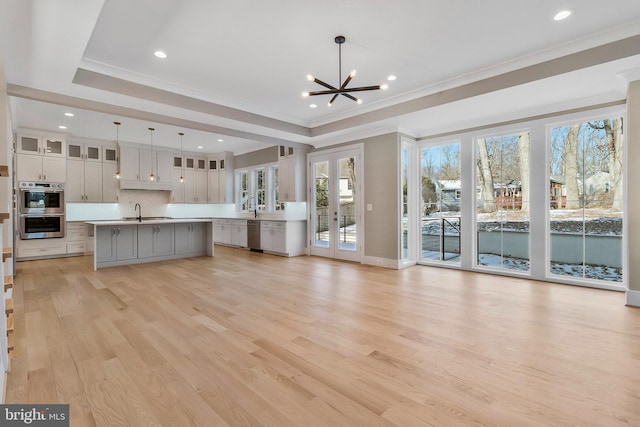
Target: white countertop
{"x": 148, "y": 221}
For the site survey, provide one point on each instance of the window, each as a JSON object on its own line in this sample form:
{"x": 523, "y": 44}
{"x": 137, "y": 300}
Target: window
{"x": 502, "y": 208}
{"x": 275, "y": 173}
{"x": 586, "y": 200}
{"x": 258, "y": 188}
{"x": 405, "y": 202}
{"x": 261, "y": 191}
{"x": 440, "y": 205}
{"x": 244, "y": 191}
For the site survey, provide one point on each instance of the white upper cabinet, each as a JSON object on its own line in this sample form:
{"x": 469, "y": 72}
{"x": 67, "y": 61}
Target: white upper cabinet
{"x": 292, "y": 174}
{"x": 40, "y": 158}
{"x": 137, "y": 165}
{"x": 40, "y": 145}
{"x": 219, "y": 167}
{"x": 40, "y": 168}
{"x": 86, "y": 152}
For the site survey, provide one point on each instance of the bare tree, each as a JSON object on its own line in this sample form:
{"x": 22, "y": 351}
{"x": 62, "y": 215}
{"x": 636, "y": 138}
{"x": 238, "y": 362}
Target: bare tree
{"x": 485, "y": 178}
{"x": 523, "y": 154}
{"x": 571, "y": 167}
{"x": 613, "y": 148}
{"x": 351, "y": 166}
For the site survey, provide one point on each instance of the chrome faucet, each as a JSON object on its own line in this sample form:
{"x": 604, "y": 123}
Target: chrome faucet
{"x": 255, "y": 207}
{"x": 136, "y": 208}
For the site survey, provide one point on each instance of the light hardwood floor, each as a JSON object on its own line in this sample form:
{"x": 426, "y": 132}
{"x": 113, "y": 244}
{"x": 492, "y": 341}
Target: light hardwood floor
{"x": 246, "y": 339}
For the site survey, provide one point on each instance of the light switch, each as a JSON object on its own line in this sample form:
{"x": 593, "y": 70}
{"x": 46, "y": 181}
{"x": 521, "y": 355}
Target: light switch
{"x": 369, "y": 207}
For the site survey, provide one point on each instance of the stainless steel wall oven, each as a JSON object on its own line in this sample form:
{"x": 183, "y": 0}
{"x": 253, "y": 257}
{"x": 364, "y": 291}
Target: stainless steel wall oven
{"x": 40, "y": 198}
{"x": 41, "y": 210}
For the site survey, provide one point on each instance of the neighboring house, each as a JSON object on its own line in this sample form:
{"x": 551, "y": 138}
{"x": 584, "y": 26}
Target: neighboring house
{"x": 449, "y": 192}
{"x": 557, "y": 191}
{"x": 509, "y": 195}
{"x": 598, "y": 183}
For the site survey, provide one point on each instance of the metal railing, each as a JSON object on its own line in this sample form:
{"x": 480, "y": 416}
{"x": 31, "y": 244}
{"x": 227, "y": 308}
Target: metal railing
{"x": 322, "y": 226}
{"x": 448, "y": 246}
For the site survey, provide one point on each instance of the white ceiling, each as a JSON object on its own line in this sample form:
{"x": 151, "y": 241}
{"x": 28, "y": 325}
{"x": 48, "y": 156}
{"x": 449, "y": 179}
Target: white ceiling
{"x": 236, "y": 69}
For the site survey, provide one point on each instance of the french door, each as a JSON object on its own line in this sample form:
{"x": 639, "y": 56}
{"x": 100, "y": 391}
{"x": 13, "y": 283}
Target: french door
{"x": 335, "y": 205}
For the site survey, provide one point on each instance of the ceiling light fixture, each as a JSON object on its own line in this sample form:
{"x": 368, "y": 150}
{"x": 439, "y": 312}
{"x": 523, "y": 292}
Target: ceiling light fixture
{"x": 220, "y": 139}
{"x": 181, "y": 159}
{"x": 69, "y": 114}
{"x": 62, "y": 127}
{"x": 117, "y": 150}
{"x": 342, "y": 90}
{"x": 200, "y": 147}
{"x": 391, "y": 78}
{"x": 563, "y": 14}
{"x": 151, "y": 177}
{"x": 160, "y": 54}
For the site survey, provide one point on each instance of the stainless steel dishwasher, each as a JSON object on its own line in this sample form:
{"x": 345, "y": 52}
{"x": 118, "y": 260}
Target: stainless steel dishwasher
{"x": 253, "y": 234}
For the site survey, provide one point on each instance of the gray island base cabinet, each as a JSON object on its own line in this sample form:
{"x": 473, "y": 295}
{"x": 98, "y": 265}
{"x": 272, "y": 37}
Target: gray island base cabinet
{"x": 113, "y": 243}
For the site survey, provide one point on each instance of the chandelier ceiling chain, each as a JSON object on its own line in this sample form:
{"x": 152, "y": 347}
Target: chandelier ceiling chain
{"x": 343, "y": 89}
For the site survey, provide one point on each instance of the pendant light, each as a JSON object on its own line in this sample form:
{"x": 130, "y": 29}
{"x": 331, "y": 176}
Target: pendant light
{"x": 151, "y": 177}
{"x": 117, "y": 151}
{"x": 181, "y": 159}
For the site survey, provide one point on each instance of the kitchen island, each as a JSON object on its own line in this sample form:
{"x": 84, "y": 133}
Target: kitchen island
{"x": 130, "y": 241}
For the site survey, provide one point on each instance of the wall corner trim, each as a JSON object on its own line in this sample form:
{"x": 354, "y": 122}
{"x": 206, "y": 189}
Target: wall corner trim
{"x": 633, "y": 298}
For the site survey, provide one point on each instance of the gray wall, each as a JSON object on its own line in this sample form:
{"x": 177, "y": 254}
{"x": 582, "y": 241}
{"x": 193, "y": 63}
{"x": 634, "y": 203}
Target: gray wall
{"x": 381, "y": 189}
{"x": 254, "y": 158}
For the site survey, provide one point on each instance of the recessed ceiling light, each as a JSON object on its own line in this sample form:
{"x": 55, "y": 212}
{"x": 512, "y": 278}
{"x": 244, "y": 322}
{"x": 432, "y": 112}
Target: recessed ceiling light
{"x": 220, "y": 139}
{"x": 563, "y": 14}
{"x": 312, "y": 106}
{"x": 391, "y": 78}
{"x": 200, "y": 147}
{"x": 69, "y": 114}
{"x": 160, "y": 54}
{"x": 62, "y": 127}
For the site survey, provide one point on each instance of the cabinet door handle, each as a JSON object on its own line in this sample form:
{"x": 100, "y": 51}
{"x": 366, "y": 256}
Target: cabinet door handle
{"x": 118, "y": 231}
{"x": 44, "y": 177}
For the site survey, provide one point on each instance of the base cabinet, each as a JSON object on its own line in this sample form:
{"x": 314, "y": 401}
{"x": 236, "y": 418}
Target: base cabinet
{"x": 286, "y": 238}
{"x": 116, "y": 243}
{"x": 41, "y": 248}
{"x": 191, "y": 238}
{"x": 273, "y": 236}
{"x": 155, "y": 240}
{"x": 230, "y": 232}
{"x": 222, "y": 231}
{"x": 111, "y": 245}
{"x": 239, "y": 233}
{"x": 76, "y": 236}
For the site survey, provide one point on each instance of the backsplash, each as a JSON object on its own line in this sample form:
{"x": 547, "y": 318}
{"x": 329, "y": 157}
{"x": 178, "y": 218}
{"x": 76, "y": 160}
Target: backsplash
{"x": 153, "y": 203}
{"x": 157, "y": 203}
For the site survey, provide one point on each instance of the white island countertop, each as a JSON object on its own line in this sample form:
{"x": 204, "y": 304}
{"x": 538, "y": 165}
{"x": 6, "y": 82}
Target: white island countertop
{"x": 149, "y": 220}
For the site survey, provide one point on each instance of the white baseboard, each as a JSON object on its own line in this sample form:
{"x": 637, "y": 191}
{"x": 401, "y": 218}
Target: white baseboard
{"x": 633, "y": 298}
{"x": 381, "y": 262}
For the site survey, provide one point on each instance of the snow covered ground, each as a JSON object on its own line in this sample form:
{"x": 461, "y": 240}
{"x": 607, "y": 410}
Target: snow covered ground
{"x": 598, "y": 272}
{"x": 601, "y": 222}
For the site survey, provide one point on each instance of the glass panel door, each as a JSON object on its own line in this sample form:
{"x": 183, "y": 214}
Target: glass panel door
{"x": 321, "y": 205}
{"x": 335, "y": 205}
